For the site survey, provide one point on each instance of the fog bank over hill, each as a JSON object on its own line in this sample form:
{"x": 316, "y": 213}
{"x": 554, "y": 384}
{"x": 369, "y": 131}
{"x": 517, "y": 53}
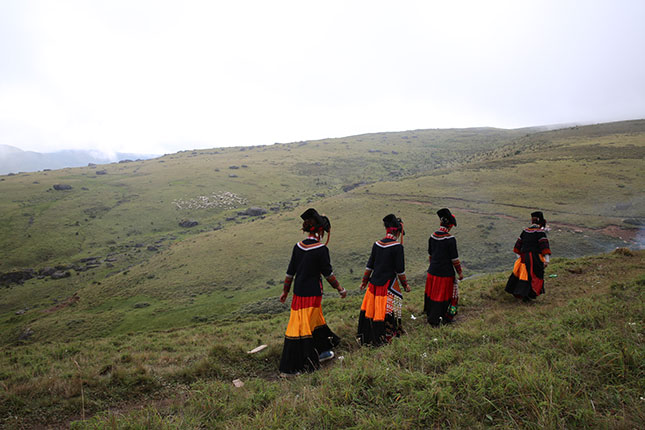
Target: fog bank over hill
{"x": 14, "y": 160}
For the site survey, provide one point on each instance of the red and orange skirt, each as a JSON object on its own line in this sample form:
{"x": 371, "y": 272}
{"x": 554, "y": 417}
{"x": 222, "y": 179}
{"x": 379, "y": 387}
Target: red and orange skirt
{"x": 440, "y": 297}
{"x": 306, "y": 337}
{"x": 380, "y": 317}
{"x": 527, "y": 280}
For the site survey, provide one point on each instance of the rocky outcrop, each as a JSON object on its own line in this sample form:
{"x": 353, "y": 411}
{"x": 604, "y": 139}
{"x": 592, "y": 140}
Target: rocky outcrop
{"x": 60, "y": 274}
{"x": 16, "y": 277}
{"x": 634, "y": 221}
{"x": 187, "y": 223}
{"x": 26, "y": 334}
{"x": 254, "y": 211}
{"x": 62, "y": 187}
{"x": 46, "y": 271}
{"x": 350, "y": 187}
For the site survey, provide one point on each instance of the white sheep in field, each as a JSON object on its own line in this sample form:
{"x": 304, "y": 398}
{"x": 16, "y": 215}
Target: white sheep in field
{"x": 224, "y": 199}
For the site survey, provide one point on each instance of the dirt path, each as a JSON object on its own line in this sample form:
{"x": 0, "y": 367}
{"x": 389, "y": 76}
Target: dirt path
{"x": 415, "y": 200}
{"x": 62, "y": 305}
{"x": 612, "y": 230}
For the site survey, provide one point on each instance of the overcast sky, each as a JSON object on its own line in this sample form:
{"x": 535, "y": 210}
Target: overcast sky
{"x": 162, "y": 76}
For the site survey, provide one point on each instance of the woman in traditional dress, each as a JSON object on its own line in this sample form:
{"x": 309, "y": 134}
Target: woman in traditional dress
{"x": 308, "y": 340}
{"x": 380, "y": 317}
{"x": 441, "y": 288}
{"x": 532, "y": 248}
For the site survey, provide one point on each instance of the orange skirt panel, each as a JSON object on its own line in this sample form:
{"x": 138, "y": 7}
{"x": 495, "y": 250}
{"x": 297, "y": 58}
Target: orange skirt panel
{"x": 519, "y": 269}
{"x": 303, "y": 321}
{"x": 375, "y": 302}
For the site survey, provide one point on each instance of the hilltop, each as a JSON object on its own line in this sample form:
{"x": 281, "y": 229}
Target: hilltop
{"x": 14, "y": 160}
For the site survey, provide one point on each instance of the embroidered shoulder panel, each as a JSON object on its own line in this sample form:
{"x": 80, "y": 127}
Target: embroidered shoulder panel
{"x": 311, "y": 246}
{"x": 441, "y": 235}
{"x": 387, "y": 244}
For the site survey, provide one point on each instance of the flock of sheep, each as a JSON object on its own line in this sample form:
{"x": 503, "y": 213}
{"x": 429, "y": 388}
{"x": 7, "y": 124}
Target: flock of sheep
{"x": 224, "y": 199}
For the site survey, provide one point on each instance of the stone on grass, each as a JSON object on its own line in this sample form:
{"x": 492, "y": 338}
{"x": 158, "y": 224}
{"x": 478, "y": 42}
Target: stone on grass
{"x": 17, "y": 276}
{"x": 46, "y": 271}
{"x": 59, "y": 274}
{"x": 26, "y": 334}
{"x": 253, "y": 211}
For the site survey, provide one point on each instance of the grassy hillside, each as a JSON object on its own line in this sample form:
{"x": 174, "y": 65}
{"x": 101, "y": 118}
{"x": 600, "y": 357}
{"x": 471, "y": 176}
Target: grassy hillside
{"x": 572, "y": 359}
{"x": 146, "y": 272}
{"x": 117, "y": 205}
{"x": 146, "y": 313}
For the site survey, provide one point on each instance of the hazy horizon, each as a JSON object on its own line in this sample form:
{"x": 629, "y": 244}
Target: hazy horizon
{"x": 154, "y": 77}
{"x": 112, "y": 156}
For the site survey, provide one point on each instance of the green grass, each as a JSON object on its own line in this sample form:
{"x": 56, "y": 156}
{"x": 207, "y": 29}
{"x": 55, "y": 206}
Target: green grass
{"x": 216, "y": 283}
{"x": 572, "y": 359}
{"x": 584, "y": 179}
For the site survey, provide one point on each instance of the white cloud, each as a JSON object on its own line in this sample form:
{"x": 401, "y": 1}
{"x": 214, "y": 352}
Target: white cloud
{"x": 159, "y": 76}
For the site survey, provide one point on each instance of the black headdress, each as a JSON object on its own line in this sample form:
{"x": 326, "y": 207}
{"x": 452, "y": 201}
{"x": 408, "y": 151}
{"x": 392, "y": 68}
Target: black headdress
{"x": 446, "y": 217}
{"x": 539, "y": 217}
{"x": 313, "y": 221}
{"x": 392, "y": 221}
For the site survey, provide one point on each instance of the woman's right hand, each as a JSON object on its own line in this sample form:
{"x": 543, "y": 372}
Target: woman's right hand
{"x": 283, "y": 296}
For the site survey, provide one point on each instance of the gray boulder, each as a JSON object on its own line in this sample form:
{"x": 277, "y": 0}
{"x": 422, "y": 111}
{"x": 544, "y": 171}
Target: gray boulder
{"x": 59, "y": 274}
{"x": 46, "y": 271}
{"x": 16, "y": 277}
{"x": 26, "y": 334}
{"x": 254, "y": 211}
{"x": 187, "y": 223}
